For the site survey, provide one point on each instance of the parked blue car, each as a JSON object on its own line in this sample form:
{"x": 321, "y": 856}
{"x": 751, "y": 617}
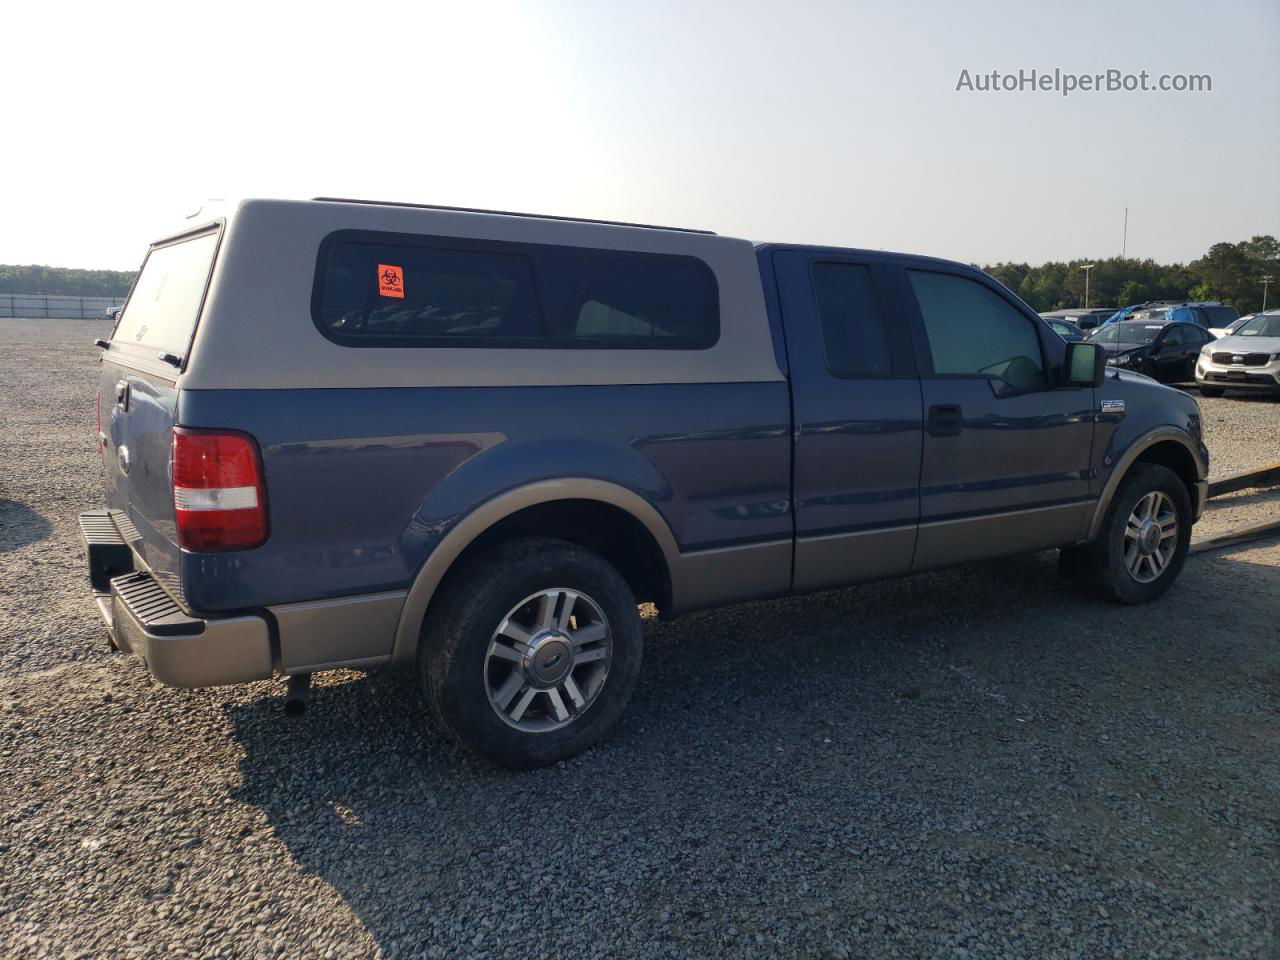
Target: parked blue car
{"x": 345, "y": 434}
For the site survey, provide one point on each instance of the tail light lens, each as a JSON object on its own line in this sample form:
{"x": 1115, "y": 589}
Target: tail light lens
{"x": 219, "y": 498}
{"x": 97, "y": 417}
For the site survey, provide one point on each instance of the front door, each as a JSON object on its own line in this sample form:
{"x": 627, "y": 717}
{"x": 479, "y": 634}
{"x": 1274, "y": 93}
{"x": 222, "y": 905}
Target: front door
{"x": 1006, "y": 454}
{"x": 1171, "y": 353}
{"x": 857, "y": 416}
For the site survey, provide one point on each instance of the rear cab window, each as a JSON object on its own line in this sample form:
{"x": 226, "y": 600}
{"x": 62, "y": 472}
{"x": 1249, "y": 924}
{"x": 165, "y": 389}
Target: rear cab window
{"x": 854, "y": 336}
{"x": 1220, "y": 316}
{"x": 379, "y": 290}
{"x": 160, "y": 314}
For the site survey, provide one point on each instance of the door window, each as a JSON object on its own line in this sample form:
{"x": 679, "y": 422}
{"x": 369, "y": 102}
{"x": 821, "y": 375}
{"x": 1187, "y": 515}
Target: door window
{"x": 973, "y": 331}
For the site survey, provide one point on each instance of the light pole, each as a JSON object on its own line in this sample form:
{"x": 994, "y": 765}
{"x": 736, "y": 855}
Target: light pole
{"x": 1267, "y": 280}
{"x": 1086, "y": 267}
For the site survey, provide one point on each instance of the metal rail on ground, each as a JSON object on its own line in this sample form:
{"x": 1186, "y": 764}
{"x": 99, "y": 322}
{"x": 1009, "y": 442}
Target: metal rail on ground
{"x": 1259, "y": 477}
{"x": 1233, "y": 538}
{"x": 1249, "y": 479}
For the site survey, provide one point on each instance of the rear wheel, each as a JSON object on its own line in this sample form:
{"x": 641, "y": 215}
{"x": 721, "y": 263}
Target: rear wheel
{"x": 1144, "y": 538}
{"x": 530, "y": 652}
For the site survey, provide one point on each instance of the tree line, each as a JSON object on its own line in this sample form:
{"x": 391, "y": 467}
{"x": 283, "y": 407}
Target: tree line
{"x": 65, "y": 281}
{"x": 1230, "y": 272}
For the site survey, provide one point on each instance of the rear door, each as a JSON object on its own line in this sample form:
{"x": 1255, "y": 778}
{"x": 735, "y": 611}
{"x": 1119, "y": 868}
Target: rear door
{"x": 138, "y": 396}
{"x": 857, "y": 418}
{"x": 1006, "y": 453}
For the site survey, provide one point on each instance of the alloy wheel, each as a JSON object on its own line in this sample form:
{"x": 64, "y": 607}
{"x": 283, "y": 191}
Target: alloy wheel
{"x": 1150, "y": 536}
{"x": 548, "y": 660}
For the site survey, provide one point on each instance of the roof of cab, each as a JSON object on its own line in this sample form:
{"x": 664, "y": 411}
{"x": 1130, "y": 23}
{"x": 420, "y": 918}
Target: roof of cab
{"x": 918, "y": 259}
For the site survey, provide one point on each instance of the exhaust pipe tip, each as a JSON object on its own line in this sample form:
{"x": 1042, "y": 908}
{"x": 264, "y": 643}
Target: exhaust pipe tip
{"x": 296, "y": 695}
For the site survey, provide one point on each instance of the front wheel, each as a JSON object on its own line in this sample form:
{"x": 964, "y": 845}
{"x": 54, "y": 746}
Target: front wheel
{"x": 1144, "y": 538}
{"x": 530, "y": 652}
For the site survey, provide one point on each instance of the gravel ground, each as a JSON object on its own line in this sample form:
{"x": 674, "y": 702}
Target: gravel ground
{"x": 1241, "y": 430}
{"x": 977, "y": 762}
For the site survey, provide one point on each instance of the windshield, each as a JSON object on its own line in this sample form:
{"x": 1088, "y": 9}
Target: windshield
{"x": 161, "y": 310}
{"x": 1264, "y": 326}
{"x": 1128, "y": 333}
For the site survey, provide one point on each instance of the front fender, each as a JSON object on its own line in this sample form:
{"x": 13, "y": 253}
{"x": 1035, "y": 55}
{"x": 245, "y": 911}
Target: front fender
{"x": 1119, "y": 456}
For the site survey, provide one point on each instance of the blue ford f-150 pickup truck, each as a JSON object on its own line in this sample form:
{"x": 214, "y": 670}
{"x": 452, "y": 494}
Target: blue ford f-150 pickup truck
{"x": 338, "y": 433}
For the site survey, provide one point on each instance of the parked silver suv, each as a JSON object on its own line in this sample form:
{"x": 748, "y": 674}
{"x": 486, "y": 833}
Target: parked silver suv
{"x": 1248, "y": 359}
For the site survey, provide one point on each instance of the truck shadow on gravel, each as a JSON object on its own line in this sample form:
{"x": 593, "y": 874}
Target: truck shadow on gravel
{"x": 20, "y": 526}
{"x": 840, "y": 772}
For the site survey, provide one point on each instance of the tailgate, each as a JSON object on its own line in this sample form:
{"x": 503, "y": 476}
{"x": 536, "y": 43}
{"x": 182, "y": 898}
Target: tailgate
{"x": 138, "y": 394}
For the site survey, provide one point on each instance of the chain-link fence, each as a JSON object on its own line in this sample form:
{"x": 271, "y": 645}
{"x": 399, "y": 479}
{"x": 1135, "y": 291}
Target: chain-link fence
{"x": 41, "y": 306}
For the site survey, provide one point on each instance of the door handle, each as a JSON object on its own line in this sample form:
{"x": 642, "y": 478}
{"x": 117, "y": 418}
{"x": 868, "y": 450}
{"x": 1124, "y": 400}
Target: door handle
{"x": 945, "y": 420}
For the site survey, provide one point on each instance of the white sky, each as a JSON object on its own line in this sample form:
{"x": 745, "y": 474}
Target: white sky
{"x": 812, "y": 122}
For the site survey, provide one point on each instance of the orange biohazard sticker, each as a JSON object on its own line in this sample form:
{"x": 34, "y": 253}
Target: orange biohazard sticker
{"x": 390, "y": 281}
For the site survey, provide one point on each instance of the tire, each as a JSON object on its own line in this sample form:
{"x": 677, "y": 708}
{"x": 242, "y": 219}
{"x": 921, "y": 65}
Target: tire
{"x": 498, "y": 629}
{"x": 1211, "y": 391}
{"x": 1107, "y": 563}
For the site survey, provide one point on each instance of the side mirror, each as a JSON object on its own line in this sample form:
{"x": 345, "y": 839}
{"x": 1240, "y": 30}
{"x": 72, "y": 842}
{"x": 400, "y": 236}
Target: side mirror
{"x": 1085, "y": 365}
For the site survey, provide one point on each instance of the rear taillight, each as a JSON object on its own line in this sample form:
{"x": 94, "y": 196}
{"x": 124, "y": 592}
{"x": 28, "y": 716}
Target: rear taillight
{"x": 97, "y": 416}
{"x": 219, "y": 498}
